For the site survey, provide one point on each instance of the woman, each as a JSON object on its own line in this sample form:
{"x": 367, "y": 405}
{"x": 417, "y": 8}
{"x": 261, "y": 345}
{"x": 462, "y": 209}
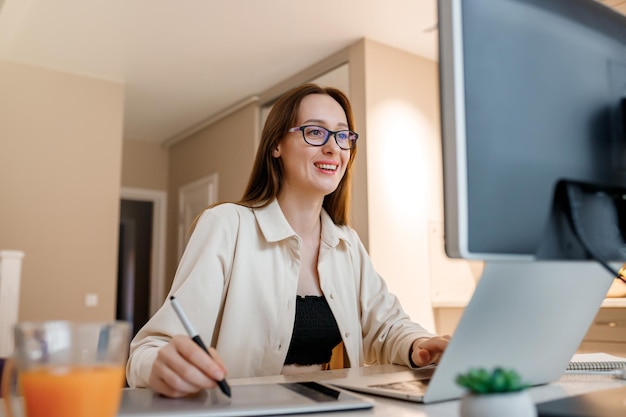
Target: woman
{"x": 278, "y": 281}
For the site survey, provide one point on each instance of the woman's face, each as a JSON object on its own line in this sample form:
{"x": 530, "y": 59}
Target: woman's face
{"x": 314, "y": 170}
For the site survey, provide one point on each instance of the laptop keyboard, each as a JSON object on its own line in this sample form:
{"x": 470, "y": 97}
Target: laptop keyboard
{"x": 415, "y": 387}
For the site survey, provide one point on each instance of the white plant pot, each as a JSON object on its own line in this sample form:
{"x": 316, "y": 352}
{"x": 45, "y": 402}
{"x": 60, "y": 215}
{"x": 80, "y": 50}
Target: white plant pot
{"x": 509, "y": 404}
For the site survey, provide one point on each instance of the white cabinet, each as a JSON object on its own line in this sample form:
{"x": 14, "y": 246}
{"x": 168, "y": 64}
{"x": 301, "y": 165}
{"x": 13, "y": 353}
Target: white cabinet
{"x": 10, "y": 272}
{"x": 607, "y": 333}
{"x": 447, "y": 318}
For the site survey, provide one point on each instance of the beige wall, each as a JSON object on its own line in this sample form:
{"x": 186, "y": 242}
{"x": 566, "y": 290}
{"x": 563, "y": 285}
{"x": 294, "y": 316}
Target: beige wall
{"x": 60, "y": 158}
{"x": 144, "y": 165}
{"x": 67, "y": 222}
{"x": 360, "y": 206}
{"x": 403, "y": 165}
{"x": 226, "y": 147}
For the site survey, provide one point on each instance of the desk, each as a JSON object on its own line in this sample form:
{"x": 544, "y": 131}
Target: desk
{"x": 568, "y": 385}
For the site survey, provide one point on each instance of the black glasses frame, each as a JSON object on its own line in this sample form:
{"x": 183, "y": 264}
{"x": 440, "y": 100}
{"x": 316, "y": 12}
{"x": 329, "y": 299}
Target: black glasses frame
{"x": 329, "y": 133}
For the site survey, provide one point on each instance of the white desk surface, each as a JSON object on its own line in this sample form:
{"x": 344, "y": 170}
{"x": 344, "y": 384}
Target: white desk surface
{"x": 568, "y": 385}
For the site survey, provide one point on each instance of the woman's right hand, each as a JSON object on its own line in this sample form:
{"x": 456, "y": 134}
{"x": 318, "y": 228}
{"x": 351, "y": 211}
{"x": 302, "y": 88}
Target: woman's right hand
{"x": 182, "y": 368}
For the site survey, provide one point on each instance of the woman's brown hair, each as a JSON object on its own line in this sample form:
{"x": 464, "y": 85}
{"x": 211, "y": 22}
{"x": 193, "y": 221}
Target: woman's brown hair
{"x": 267, "y": 172}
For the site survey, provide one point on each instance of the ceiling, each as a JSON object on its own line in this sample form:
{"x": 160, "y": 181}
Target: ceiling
{"x": 183, "y": 61}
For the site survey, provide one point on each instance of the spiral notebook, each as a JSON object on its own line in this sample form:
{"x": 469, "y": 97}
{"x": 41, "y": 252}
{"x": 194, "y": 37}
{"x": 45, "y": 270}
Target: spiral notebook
{"x": 595, "y": 362}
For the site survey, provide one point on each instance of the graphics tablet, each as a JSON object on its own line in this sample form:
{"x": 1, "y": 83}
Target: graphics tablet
{"x": 246, "y": 400}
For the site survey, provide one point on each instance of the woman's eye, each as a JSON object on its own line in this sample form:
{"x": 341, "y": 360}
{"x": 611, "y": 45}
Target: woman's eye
{"x": 316, "y": 132}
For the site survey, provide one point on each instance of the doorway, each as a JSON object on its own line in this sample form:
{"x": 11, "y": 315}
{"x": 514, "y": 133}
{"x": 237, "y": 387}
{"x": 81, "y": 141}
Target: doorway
{"x": 133, "y": 273}
{"x": 193, "y": 199}
{"x": 141, "y": 253}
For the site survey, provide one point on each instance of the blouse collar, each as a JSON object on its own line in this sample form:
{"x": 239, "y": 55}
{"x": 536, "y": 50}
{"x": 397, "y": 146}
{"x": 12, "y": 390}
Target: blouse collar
{"x": 275, "y": 227}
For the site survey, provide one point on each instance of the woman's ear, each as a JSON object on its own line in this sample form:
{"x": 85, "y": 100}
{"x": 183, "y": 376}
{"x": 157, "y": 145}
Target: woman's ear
{"x": 276, "y": 152}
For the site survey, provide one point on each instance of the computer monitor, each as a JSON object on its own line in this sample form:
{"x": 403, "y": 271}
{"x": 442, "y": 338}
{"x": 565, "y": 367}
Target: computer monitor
{"x": 533, "y": 93}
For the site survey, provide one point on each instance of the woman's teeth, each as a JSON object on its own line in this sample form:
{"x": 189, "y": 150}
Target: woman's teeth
{"x": 327, "y": 167}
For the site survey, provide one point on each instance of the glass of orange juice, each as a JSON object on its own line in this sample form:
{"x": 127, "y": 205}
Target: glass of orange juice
{"x": 66, "y": 369}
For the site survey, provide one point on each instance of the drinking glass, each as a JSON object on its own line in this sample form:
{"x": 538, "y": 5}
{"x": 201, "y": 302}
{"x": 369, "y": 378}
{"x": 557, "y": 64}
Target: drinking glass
{"x": 66, "y": 369}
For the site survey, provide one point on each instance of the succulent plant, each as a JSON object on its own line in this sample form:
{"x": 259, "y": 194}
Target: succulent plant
{"x": 499, "y": 380}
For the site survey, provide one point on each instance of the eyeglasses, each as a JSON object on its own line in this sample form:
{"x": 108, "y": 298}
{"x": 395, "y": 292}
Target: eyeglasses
{"x": 318, "y": 136}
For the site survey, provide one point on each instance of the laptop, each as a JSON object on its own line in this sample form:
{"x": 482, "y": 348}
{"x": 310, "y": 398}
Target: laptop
{"x": 528, "y": 316}
{"x": 247, "y": 400}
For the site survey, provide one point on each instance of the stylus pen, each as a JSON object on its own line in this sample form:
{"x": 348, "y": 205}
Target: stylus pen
{"x": 196, "y": 338}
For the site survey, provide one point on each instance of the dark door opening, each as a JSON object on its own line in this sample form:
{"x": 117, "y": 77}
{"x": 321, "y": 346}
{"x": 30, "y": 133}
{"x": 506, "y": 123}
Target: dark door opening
{"x": 134, "y": 262}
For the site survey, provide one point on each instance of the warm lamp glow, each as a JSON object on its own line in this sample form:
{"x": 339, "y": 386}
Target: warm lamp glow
{"x": 401, "y": 153}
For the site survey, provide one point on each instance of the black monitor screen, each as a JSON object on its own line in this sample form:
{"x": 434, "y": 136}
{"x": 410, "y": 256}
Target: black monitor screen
{"x": 533, "y": 92}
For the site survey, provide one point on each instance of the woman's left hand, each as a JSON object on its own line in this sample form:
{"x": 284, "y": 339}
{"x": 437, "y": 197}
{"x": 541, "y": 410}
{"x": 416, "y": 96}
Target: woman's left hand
{"x": 427, "y": 351}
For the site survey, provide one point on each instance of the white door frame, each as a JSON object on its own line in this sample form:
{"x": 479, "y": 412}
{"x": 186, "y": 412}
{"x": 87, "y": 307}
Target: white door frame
{"x": 159, "y": 223}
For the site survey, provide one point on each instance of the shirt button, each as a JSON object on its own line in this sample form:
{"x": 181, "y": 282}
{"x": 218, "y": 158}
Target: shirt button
{"x": 347, "y": 334}
{"x": 280, "y": 346}
{"x": 332, "y": 296}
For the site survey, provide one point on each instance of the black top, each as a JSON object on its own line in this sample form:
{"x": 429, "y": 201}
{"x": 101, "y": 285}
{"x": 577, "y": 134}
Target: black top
{"x": 315, "y": 332}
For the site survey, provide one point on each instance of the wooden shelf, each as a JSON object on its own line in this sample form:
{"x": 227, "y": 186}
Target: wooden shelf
{"x": 614, "y": 302}
{"x": 607, "y": 303}
{"x": 447, "y": 314}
